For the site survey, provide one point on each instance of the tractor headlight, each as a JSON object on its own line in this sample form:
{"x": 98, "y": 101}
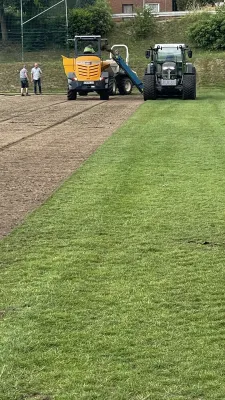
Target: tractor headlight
{"x": 168, "y": 67}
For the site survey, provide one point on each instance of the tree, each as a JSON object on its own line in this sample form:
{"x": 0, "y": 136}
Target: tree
{"x": 92, "y": 20}
{"x": 191, "y": 4}
{"x": 3, "y": 22}
{"x": 80, "y": 3}
{"x": 30, "y": 8}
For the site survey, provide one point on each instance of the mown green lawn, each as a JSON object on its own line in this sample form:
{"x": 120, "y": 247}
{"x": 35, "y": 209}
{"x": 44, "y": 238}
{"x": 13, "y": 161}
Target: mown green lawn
{"x": 115, "y": 288}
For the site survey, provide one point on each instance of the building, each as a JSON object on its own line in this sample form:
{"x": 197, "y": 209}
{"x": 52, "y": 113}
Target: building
{"x": 128, "y": 6}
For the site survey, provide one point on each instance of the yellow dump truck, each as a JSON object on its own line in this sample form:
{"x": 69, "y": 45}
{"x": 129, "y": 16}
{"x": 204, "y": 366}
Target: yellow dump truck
{"x": 87, "y": 72}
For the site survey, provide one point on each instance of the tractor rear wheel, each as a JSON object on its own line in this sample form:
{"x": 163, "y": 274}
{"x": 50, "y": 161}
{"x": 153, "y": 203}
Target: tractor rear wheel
{"x": 71, "y": 94}
{"x": 112, "y": 86}
{"x": 124, "y": 85}
{"x": 149, "y": 87}
{"x": 189, "y": 87}
{"x": 104, "y": 95}
{"x": 194, "y": 70}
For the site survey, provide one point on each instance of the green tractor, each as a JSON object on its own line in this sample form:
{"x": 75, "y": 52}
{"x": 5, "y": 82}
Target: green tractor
{"x": 168, "y": 73}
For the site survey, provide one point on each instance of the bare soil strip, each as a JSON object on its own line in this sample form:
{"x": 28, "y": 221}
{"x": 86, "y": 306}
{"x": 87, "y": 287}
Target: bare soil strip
{"x": 16, "y": 114}
{"x": 12, "y": 106}
{"x": 37, "y": 132}
{"x": 46, "y": 144}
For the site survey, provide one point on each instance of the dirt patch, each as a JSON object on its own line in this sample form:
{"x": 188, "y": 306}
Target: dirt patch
{"x": 36, "y": 396}
{"x": 43, "y": 140}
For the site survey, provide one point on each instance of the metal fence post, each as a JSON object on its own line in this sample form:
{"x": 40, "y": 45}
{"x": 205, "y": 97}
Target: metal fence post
{"x": 21, "y": 19}
{"x": 67, "y": 29}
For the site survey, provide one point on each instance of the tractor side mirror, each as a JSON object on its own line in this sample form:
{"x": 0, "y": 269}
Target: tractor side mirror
{"x": 104, "y": 44}
{"x": 105, "y": 47}
{"x": 190, "y": 53}
{"x": 104, "y": 41}
{"x": 147, "y": 54}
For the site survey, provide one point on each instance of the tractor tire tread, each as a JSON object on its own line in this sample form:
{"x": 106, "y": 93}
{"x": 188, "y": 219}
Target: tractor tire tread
{"x": 189, "y": 86}
{"x": 149, "y": 87}
{"x": 112, "y": 86}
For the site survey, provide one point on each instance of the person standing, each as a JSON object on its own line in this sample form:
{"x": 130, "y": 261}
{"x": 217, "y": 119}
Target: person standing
{"x": 36, "y": 73}
{"x": 24, "y": 80}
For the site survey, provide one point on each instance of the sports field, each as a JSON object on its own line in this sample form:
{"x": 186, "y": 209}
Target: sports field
{"x": 114, "y": 288}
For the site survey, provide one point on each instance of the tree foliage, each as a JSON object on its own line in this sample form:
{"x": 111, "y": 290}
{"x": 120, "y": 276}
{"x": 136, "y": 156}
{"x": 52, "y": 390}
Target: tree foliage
{"x": 30, "y": 7}
{"x": 183, "y": 5}
{"x": 88, "y": 17}
{"x": 209, "y": 31}
{"x": 81, "y": 3}
{"x": 93, "y": 20}
{"x": 42, "y": 32}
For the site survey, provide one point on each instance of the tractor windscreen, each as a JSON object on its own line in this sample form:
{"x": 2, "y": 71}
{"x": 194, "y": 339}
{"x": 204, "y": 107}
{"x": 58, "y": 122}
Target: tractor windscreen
{"x": 169, "y": 54}
{"x": 87, "y": 47}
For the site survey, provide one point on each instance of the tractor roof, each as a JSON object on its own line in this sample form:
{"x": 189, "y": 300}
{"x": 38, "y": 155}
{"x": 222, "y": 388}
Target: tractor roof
{"x": 88, "y": 37}
{"x": 175, "y": 45}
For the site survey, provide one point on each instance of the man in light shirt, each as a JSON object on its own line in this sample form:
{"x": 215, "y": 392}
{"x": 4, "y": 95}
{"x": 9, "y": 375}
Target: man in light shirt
{"x": 24, "y": 80}
{"x": 36, "y": 77}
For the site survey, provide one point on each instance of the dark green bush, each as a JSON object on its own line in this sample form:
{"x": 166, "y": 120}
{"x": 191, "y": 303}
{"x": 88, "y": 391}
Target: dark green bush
{"x": 80, "y": 22}
{"x": 101, "y": 18}
{"x": 93, "y": 20}
{"x": 209, "y": 32}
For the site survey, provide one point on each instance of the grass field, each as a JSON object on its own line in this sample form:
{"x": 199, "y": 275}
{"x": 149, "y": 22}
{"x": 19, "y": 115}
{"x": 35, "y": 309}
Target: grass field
{"x": 114, "y": 288}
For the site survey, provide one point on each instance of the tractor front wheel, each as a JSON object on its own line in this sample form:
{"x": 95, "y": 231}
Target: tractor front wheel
{"x": 149, "y": 87}
{"x": 124, "y": 85}
{"x": 71, "y": 94}
{"x": 189, "y": 87}
{"x": 104, "y": 95}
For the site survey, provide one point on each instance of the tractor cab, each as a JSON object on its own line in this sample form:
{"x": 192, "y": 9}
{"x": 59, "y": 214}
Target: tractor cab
{"x": 168, "y": 52}
{"x": 87, "y": 45}
{"x": 165, "y": 54}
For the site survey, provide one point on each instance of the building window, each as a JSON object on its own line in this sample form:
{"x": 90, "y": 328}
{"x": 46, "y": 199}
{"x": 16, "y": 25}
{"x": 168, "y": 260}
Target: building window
{"x": 155, "y": 7}
{"x": 127, "y": 8}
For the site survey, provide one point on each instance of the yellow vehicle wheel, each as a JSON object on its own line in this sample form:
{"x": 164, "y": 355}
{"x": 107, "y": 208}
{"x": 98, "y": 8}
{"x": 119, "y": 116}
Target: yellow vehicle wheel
{"x": 71, "y": 94}
{"x": 104, "y": 95}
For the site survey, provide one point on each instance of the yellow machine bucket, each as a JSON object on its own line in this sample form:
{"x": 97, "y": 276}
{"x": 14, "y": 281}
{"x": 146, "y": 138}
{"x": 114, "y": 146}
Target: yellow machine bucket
{"x": 68, "y": 64}
{"x": 86, "y": 68}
